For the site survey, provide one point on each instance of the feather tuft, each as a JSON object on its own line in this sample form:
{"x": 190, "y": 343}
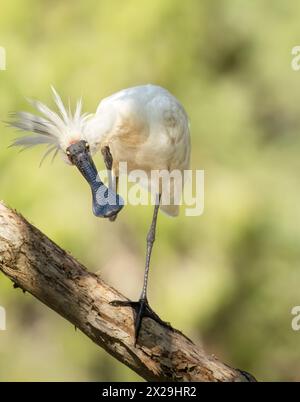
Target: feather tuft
{"x": 48, "y": 127}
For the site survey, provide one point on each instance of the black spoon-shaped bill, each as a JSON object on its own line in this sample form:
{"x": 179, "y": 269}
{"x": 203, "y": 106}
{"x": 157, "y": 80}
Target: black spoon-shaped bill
{"x": 106, "y": 203}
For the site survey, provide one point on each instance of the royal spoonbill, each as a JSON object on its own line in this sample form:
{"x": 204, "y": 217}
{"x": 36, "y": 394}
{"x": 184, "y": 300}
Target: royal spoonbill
{"x": 144, "y": 126}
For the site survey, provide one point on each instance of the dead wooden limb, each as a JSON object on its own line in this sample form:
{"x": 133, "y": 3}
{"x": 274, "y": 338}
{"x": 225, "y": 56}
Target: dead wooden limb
{"x": 37, "y": 265}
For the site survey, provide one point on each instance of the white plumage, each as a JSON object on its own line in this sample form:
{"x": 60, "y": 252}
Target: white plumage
{"x": 144, "y": 126}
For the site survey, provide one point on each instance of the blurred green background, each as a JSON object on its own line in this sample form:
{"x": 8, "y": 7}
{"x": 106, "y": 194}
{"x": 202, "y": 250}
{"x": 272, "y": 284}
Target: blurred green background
{"x": 229, "y": 278}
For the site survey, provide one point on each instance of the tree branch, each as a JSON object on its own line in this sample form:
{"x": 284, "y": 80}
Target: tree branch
{"x": 37, "y": 265}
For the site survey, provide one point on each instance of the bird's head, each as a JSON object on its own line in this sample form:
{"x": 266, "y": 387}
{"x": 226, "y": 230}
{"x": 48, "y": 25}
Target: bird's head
{"x": 75, "y": 137}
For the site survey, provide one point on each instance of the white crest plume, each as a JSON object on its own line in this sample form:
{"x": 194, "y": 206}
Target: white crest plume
{"x": 50, "y": 127}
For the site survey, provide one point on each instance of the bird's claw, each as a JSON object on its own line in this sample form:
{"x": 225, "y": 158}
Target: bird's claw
{"x": 141, "y": 309}
{"x": 113, "y": 218}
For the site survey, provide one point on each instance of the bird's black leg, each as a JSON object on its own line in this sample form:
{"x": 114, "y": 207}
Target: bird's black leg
{"x": 108, "y": 161}
{"x": 141, "y": 307}
{"x": 107, "y": 157}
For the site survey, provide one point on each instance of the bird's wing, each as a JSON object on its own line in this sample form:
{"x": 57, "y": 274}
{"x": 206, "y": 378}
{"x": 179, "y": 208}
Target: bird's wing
{"x": 148, "y": 128}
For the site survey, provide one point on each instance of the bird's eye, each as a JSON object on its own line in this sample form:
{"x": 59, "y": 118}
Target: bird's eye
{"x": 87, "y": 146}
{"x": 68, "y": 153}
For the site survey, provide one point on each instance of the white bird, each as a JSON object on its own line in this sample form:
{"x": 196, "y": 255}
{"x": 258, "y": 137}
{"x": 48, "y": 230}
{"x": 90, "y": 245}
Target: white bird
{"x": 144, "y": 126}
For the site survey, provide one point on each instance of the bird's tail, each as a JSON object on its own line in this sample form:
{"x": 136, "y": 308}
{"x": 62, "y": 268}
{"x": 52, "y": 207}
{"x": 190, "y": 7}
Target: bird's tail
{"x": 170, "y": 210}
{"x": 171, "y": 197}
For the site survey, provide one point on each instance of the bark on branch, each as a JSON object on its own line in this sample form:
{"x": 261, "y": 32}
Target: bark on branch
{"x": 36, "y": 264}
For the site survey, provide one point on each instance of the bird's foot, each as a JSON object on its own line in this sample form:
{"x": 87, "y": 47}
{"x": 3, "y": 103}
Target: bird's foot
{"x": 141, "y": 309}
